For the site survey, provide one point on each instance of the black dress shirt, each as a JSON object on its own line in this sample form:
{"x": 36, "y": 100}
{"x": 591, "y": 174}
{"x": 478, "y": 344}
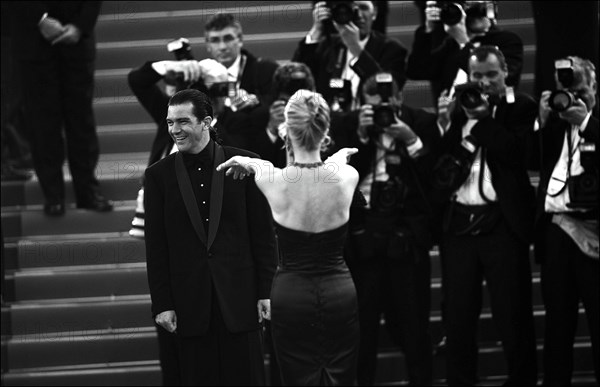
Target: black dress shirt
{"x": 200, "y": 169}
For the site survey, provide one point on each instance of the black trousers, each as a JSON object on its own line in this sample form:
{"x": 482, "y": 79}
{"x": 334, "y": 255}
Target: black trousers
{"x": 502, "y": 260}
{"x": 58, "y": 89}
{"x": 568, "y": 276}
{"x": 221, "y": 358}
{"x": 397, "y": 284}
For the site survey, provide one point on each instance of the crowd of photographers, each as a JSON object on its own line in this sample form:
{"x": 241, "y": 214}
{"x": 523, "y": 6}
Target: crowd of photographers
{"x": 456, "y": 176}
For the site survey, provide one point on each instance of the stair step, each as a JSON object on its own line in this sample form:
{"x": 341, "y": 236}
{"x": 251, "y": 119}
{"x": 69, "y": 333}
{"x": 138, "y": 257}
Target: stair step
{"x": 78, "y": 348}
{"x": 143, "y": 373}
{"x": 83, "y": 281}
{"x": 51, "y": 319}
{"x": 77, "y": 249}
{"x": 33, "y": 221}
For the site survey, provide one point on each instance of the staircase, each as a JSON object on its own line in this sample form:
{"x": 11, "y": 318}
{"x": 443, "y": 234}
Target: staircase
{"x": 77, "y": 309}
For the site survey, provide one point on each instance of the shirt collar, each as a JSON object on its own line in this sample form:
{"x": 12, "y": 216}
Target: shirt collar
{"x": 233, "y": 71}
{"x": 204, "y": 158}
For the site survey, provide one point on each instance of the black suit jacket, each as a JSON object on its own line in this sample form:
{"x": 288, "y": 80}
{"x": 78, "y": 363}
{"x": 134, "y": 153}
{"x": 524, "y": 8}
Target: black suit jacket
{"x": 414, "y": 172}
{"x": 430, "y": 60}
{"x": 236, "y": 259}
{"x": 547, "y": 147}
{"x": 380, "y": 54}
{"x": 506, "y": 137}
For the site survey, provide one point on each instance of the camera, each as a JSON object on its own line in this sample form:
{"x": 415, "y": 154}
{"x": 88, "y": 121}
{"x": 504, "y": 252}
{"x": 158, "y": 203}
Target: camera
{"x": 384, "y": 114}
{"x": 583, "y": 188}
{"x": 343, "y": 12}
{"x": 451, "y": 12}
{"x": 222, "y": 89}
{"x": 561, "y": 100}
{"x": 470, "y": 95}
{"x": 453, "y": 169}
{"x": 389, "y": 195}
{"x": 181, "y": 49}
{"x": 340, "y": 94}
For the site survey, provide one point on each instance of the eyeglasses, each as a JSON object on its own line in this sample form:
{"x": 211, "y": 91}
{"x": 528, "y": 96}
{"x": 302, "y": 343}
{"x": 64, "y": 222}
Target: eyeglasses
{"x": 227, "y": 39}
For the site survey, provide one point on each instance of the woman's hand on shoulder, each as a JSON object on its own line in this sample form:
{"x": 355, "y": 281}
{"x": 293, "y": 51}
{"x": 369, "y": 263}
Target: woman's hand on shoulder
{"x": 239, "y": 166}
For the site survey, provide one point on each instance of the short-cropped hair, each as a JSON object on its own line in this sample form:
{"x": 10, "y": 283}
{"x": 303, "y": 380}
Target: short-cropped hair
{"x": 481, "y": 53}
{"x": 221, "y": 21}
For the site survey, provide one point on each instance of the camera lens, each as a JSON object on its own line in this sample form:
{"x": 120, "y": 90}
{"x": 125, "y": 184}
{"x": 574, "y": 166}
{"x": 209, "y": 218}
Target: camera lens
{"x": 451, "y": 13}
{"x": 383, "y": 115}
{"x": 561, "y": 100}
{"x": 471, "y": 98}
{"x": 342, "y": 12}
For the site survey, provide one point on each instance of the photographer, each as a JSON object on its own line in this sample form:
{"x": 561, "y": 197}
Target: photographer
{"x": 389, "y": 241}
{"x": 444, "y": 61}
{"x": 567, "y": 213}
{"x": 342, "y": 50}
{"x": 484, "y": 187}
{"x": 287, "y": 79}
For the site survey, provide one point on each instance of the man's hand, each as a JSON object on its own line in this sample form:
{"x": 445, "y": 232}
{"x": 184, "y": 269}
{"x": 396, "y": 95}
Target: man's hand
{"x": 320, "y": 13}
{"x": 51, "y": 28}
{"x": 459, "y": 31}
{"x": 264, "y": 310}
{"x": 544, "y": 109}
{"x": 575, "y": 114}
{"x": 189, "y": 68}
{"x": 350, "y": 35}
{"x": 276, "y": 116}
{"x": 432, "y": 15}
{"x": 401, "y": 131}
{"x": 243, "y": 100}
{"x": 71, "y": 35}
{"x": 446, "y": 106}
{"x": 365, "y": 119}
{"x": 167, "y": 320}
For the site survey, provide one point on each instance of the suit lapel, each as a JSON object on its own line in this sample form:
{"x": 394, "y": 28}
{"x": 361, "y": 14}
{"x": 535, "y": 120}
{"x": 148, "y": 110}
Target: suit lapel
{"x": 216, "y": 196}
{"x": 189, "y": 199}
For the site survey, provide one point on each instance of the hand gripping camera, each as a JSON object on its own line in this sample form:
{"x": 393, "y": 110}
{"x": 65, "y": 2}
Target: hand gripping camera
{"x": 343, "y": 12}
{"x": 470, "y": 95}
{"x": 561, "y": 100}
{"x": 453, "y": 169}
{"x": 583, "y": 188}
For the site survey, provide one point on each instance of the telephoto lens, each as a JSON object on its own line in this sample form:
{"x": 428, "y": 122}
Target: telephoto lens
{"x": 451, "y": 13}
{"x": 561, "y": 100}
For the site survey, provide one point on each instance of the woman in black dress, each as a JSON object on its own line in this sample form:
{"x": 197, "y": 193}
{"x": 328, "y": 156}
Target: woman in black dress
{"x": 313, "y": 300}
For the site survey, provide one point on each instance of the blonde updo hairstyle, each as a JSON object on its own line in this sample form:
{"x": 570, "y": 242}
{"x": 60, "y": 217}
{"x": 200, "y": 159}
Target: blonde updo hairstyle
{"x": 307, "y": 120}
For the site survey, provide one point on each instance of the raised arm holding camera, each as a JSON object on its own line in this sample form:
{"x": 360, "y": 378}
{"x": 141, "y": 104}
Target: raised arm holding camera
{"x": 488, "y": 216}
{"x": 467, "y": 24}
{"x": 567, "y": 213}
{"x": 388, "y": 250}
{"x": 342, "y": 50}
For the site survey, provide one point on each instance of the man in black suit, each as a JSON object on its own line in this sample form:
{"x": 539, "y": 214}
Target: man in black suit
{"x": 567, "y": 216}
{"x": 349, "y": 54}
{"x": 389, "y": 242}
{"x": 56, "y": 48}
{"x": 210, "y": 252}
{"x": 488, "y": 219}
{"x": 443, "y": 58}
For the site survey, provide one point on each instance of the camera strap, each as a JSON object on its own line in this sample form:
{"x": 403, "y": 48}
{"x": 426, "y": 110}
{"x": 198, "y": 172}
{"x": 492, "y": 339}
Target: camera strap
{"x": 570, "y": 152}
{"x": 481, "y": 173}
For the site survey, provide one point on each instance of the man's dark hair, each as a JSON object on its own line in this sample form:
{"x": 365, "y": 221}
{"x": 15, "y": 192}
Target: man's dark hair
{"x": 200, "y": 101}
{"x": 221, "y": 21}
{"x": 291, "y": 77}
{"x": 482, "y": 53}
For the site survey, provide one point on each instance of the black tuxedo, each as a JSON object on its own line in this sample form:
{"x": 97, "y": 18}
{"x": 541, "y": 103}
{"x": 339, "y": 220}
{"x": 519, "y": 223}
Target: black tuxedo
{"x": 567, "y": 275}
{"x": 499, "y": 255}
{"x": 439, "y": 62}
{"x": 380, "y": 54}
{"x": 212, "y": 277}
{"x": 392, "y": 273}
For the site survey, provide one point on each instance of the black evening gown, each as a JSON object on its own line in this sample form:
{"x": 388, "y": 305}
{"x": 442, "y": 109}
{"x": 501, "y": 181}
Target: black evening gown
{"x": 314, "y": 312}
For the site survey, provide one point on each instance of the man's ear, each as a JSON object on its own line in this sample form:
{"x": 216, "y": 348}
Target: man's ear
{"x": 207, "y": 120}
